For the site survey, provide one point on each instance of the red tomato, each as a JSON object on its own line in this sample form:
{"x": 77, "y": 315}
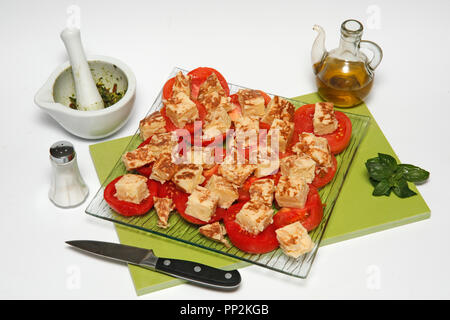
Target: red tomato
{"x": 286, "y": 216}
{"x": 167, "y": 190}
{"x": 145, "y": 170}
{"x": 276, "y": 177}
{"x": 201, "y": 111}
{"x": 338, "y": 140}
{"x": 341, "y": 137}
{"x": 267, "y": 98}
{"x": 145, "y": 142}
{"x": 168, "y": 88}
{"x": 263, "y": 242}
{"x": 265, "y": 126}
{"x": 310, "y": 216}
{"x": 235, "y": 99}
{"x": 209, "y": 173}
{"x": 322, "y": 179}
{"x": 180, "y": 200}
{"x": 244, "y": 191}
{"x": 218, "y": 140}
{"x": 126, "y": 208}
{"x": 169, "y": 124}
{"x": 236, "y": 113}
{"x": 199, "y": 75}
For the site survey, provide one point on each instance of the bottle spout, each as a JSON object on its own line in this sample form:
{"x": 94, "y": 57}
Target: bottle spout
{"x": 318, "y": 49}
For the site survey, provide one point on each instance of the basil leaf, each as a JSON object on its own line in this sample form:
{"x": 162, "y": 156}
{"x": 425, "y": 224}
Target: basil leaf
{"x": 382, "y": 188}
{"x": 373, "y": 182}
{"x": 388, "y": 160}
{"x": 402, "y": 190}
{"x": 385, "y": 175}
{"x": 413, "y": 173}
{"x": 378, "y": 169}
{"x": 397, "y": 176}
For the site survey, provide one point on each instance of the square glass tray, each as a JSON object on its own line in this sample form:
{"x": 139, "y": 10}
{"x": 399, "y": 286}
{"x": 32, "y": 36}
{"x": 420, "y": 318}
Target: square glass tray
{"x": 186, "y": 232}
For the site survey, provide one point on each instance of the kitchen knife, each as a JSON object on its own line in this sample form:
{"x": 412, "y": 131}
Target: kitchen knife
{"x": 183, "y": 269}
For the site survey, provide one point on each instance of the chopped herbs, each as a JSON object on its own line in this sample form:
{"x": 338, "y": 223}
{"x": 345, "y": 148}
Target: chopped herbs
{"x": 73, "y": 102}
{"x": 109, "y": 96}
{"x": 386, "y": 176}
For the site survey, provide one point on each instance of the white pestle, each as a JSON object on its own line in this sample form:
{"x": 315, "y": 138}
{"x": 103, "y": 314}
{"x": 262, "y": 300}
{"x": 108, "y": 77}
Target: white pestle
{"x": 88, "y": 97}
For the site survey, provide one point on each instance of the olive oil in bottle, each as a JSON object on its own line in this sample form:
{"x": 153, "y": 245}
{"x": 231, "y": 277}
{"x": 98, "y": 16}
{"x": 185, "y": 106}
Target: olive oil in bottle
{"x": 344, "y": 75}
{"x": 345, "y": 83}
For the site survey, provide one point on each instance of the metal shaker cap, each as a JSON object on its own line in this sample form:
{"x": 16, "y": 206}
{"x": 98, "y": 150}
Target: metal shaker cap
{"x": 62, "y": 152}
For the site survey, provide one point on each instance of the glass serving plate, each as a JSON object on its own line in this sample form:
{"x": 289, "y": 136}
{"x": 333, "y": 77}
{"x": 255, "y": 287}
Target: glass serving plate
{"x": 186, "y": 232}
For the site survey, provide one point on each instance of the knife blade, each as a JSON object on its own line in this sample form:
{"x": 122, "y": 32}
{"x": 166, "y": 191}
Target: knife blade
{"x": 183, "y": 269}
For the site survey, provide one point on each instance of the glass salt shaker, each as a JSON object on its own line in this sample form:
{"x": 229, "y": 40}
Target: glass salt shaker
{"x": 68, "y": 188}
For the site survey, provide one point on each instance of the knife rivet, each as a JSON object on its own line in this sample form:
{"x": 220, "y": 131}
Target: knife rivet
{"x": 166, "y": 262}
{"x": 228, "y": 275}
{"x": 197, "y": 269}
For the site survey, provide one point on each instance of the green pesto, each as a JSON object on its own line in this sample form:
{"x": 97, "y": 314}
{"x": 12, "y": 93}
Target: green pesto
{"x": 109, "y": 96}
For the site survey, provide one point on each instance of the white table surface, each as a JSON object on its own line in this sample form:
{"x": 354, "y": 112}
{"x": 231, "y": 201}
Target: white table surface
{"x": 258, "y": 44}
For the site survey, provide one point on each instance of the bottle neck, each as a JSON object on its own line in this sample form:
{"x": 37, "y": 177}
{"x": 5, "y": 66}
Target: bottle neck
{"x": 350, "y": 44}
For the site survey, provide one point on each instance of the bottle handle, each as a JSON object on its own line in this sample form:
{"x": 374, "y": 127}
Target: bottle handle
{"x": 375, "y": 49}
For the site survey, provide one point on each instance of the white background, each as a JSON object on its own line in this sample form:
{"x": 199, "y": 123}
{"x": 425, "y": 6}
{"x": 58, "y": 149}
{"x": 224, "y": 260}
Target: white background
{"x": 259, "y": 44}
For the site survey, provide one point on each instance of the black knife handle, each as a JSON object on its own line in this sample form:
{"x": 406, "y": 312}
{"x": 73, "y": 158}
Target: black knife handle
{"x": 199, "y": 273}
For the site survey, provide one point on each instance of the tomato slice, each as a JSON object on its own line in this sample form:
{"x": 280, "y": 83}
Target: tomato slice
{"x": 126, "y": 208}
{"x": 201, "y": 111}
{"x": 168, "y": 88}
{"x": 180, "y": 201}
{"x": 286, "y": 216}
{"x": 310, "y": 216}
{"x": 145, "y": 142}
{"x": 276, "y": 177}
{"x": 199, "y": 75}
{"x": 209, "y": 173}
{"x": 267, "y": 98}
{"x": 263, "y": 242}
{"x": 167, "y": 190}
{"x": 323, "y": 179}
{"x": 236, "y": 113}
{"x": 147, "y": 169}
{"x": 244, "y": 191}
{"x": 234, "y": 99}
{"x": 218, "y": 140}
{"x": 338, "y": 140}
{"x": 265, "y": 126}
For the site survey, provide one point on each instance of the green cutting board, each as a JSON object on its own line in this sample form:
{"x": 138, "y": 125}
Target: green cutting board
{"x": 356, "y": 212}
